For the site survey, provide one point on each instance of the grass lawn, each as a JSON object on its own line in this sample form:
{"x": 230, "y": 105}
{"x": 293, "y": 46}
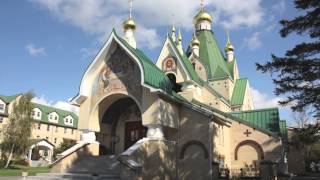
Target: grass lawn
{"x": 16, "y": 170}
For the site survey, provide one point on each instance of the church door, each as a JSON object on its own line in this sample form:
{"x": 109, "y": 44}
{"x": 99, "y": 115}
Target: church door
{"x": 134, "y": 131}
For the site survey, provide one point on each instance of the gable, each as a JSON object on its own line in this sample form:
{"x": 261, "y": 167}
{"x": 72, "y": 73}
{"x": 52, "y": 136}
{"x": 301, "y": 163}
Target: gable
{"x": 166, "y": 55}
{"x": 184, "y": 63}
{"x": 151, "y": 76}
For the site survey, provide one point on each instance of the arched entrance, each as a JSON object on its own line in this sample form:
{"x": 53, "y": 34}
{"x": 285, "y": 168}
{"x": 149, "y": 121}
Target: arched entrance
{"x": 120, "y": 125}
{"x": 248, "y": 154}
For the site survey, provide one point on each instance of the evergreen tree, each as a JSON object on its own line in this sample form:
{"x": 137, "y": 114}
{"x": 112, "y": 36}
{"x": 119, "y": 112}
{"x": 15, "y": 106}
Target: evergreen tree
{"x": 16, "y": 134}
{"x": 298, "y": 72}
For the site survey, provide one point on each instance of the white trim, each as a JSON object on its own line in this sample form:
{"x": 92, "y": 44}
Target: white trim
{"x": 54, "y": 116}
{"x": 4, "y": 106}
{"x": 83, "y": 94}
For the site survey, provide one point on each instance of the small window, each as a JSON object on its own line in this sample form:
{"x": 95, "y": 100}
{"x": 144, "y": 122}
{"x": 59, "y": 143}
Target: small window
{"x": 2, "y": 107}
{"x": 38, "y": 137}
{"x": 47, "y": 138}
{"x": 48, "y": 127}
{"x": 33, "y": 113}
{"x": 56, "y": 118}
{"x": 38, "y": 114}
{"x": 67, "y": 120}
{"x": 1, "y": 119}
{"x": 55, "y": 140}
{"x": 50, "y": 117}
{"x": 70, "y": 121}
{"x": 39, "y": 126}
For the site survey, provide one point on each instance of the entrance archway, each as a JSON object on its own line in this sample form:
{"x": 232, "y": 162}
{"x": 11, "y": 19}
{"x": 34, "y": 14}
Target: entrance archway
{"x": 120, "y": 125}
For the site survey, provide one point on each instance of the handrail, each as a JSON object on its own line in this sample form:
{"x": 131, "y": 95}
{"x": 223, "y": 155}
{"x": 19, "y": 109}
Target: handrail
{"x": 69, "y": 151}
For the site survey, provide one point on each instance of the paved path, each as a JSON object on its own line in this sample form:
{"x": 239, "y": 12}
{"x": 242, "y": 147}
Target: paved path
{"x": 10, "y": 178}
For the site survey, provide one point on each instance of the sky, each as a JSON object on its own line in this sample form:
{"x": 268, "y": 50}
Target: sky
{"x": 46, "y": 45}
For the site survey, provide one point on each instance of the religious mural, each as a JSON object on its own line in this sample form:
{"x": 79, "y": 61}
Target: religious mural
{"x": 118, "y": 73}
{"x": 169, "y": 65}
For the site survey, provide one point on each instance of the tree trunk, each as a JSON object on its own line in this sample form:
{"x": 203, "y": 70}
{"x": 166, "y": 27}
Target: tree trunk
{"x": 10, "y": 157}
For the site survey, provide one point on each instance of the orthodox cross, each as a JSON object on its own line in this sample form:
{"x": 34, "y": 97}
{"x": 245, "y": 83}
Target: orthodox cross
{"x": 130, "y": 7}
{"x": 228, "y": 35}
{"x": 247, "y": 133}
{"x": 202, "y": 4}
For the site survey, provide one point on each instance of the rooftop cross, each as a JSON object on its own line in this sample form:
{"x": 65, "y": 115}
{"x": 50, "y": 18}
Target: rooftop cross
{"x": 130, "y": 8}
{"x": 228, "y": 36}
{"x": 202, "y": 4}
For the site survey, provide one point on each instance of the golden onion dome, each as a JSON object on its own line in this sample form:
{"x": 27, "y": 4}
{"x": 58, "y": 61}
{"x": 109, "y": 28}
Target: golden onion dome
{"x": 228, "y": 47}
{"x": 194, "y": 41}
{"x": 129, "y": 24}
{"x": 202, "y": 15}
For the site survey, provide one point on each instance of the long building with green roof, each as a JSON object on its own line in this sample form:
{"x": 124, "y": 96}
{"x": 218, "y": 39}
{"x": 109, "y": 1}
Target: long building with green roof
{"x": 50, "y": 123}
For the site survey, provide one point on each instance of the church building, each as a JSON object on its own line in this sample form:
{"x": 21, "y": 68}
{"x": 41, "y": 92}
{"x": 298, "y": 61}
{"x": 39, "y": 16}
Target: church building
{"x": 178, "y": 118}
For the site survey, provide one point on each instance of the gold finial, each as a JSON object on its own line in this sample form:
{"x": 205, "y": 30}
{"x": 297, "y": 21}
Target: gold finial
{"x": 202, "y": 14}
{"x": 229, "y": 46}
{"x": 179, "y": 36}
{"x": 194, "y": 41}
{"x": 173, "y": 29}
{"x": 129, "y": 23}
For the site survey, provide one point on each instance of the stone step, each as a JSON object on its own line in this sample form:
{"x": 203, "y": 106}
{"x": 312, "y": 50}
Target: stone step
{"x": 71, "y": 176}
{"x": 96, "y": 165}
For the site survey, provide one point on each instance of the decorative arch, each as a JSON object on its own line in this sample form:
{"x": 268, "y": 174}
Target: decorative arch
{"x": 250, "y": 142}
{"x": 95, "y": 114}
{"x": 195, "y": 143}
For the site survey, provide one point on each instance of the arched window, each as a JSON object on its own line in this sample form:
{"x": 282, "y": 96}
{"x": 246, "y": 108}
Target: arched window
{"x": 173, "y": 80}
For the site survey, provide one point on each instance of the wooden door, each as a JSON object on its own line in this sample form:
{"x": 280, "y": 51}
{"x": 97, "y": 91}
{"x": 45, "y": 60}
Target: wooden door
{"x": 134, "y": 131}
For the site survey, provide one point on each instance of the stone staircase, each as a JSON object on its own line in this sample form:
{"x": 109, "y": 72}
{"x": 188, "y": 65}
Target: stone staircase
{"x": 87, "y": 168}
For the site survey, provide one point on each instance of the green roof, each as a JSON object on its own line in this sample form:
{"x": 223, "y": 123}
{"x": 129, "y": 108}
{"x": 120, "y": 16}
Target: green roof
{"x": 46, "y": 110}
{"x": 211, "y": 55}
{"x": 267, "y": 119}
{"x": 8, "y": 99}
{"x": 283, "y": 129}
{"x": 231, "y": 66}
{"x": 153, "y": 76}
{"x": 239, "y": 91}
{"x": 187, "y": 64}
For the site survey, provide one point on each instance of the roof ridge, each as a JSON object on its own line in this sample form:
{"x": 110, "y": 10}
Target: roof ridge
{"x": 255, "y": 110}
{"x": 55, "y": 108}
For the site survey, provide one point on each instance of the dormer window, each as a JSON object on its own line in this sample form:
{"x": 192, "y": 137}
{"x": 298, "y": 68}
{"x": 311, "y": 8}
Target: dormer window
{"x": 53, "y": 117}
{"x": 36, "y": 113}
{"x": 2, "y": 106}
{"x": 68, "y": 120}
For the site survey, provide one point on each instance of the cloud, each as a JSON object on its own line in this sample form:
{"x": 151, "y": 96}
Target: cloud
{"x": 238, "y": 13}
{"x": 59, "y": 104}
{"x": 34, "y": 51}
{"x": 279, "y": 7}
{"x": 253, "y": 42}
{"x": 263, "y": 100}
{"x": 97, "y": 17}
{"x": 88, "y": 52}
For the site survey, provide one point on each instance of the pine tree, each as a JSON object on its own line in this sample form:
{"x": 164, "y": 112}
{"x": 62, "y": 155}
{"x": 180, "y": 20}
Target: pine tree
{"x": 298, "y": 72}
{"x": 16, "y": 134}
